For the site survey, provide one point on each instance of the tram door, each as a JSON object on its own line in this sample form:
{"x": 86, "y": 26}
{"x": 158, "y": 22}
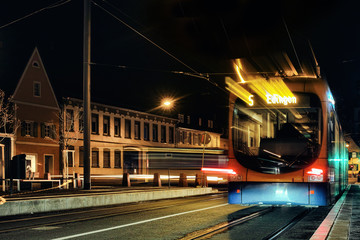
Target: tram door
{"x": 131, "y": 162}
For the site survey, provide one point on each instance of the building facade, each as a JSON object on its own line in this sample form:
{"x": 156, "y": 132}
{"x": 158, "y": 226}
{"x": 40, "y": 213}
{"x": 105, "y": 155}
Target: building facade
{"x": 124, "y": 140}
{"x": 38, "y": 111}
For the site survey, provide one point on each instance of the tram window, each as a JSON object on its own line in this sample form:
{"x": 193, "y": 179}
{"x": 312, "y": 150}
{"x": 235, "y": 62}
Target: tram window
{"x": 272, "y": 138}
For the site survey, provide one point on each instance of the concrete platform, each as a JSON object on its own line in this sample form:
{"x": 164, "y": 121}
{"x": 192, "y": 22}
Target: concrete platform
{"x": 29, "y": 205}
{"x": 343, "y": 221}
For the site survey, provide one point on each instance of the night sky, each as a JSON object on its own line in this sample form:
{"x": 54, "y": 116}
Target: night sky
{"x": 128, "y": 71}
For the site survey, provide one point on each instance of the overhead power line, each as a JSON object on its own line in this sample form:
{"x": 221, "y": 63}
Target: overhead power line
{"x": 146, "y": 38}
{"x": 57, "y": 4}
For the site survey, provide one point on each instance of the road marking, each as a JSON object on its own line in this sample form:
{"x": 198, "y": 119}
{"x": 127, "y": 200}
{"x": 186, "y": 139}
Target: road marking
{"x": 136, "y": 223}
{"x": 45, "y": 228}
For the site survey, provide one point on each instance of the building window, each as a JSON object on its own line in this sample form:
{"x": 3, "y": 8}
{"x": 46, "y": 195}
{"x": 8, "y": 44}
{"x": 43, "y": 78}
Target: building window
{"x": 107, "y": 159}
{"x": 127, "y": 128}
{"x": 36, "y": 64}
{"x": 200, "y": 136}
{"x": 94, "y": 123}
{"x": 189, "y": 138}
{"x": 196, "y": 139}
{"x": 81, "y": 157}
{"x": 181, "y": 118}
{"x": 163, "y": 134}
{"x": 188, "y": 120}
{"x": 48, "y": 130}
{"x": 70, "y": 156}
{"x": 146, "y": 132}
{"x": 137, "y": 130}
{"x": 117, "y": 125}
{"x": 182, "y": 137}
{"x": 171, "y": 134}
{"x": 81, "y": 121}
{"x": 200, "y": 122}
{"x": 37, "y": 89}
{"x": 117, "y": 159}
{"x": 210, "y": 124}
{"x": 29, "y": 129}
{"x": 106, "y": 125}
{"x": 95, "y": 158}
{"x": 155, "y": 132}
{"x": 69, "y": 115}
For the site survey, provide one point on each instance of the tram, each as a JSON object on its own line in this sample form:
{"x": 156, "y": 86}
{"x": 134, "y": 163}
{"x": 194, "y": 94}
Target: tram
{"x": 286, "y": 142}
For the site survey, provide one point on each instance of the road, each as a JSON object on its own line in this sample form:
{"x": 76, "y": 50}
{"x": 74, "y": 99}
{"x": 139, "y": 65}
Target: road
{"x": 165, "y": 219}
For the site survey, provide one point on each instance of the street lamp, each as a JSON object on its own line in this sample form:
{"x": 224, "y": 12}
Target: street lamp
{"x": 167, "y": 103}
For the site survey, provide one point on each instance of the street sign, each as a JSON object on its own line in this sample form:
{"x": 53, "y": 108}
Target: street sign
{"x": 205, "y": 138}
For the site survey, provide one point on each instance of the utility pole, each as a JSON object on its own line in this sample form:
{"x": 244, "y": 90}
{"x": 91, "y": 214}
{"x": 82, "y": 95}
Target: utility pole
{"x": 86, "y": 93}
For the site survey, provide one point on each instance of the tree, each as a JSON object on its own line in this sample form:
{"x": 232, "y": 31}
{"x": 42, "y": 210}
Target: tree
{"x": 8, "y": 122}
{"x": 8, "y": 127}
{"x": 70, "y": 132}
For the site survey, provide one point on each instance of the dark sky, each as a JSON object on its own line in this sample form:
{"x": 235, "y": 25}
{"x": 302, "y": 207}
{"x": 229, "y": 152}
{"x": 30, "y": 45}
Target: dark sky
{"x": 202, "y": 34}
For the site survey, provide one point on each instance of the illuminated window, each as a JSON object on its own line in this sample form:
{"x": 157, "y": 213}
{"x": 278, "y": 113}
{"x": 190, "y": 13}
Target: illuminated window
{"x": 37, "y": 89}
{"x": 200, "y": 121}
{"x": 106, "y": 125}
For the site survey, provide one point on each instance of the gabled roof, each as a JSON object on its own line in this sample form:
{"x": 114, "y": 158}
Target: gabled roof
{"x": 35, "y": 73}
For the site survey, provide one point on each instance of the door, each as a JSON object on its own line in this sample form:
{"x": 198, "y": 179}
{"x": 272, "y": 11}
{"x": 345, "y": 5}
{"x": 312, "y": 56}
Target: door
{"x": 49, "y": 163}
{"x": 131, "y": 162}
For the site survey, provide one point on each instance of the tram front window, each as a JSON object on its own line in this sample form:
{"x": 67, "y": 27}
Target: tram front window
{"x": 277, "y": 139}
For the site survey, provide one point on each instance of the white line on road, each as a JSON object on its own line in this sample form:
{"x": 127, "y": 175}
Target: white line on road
{"x": 136, "y": 223}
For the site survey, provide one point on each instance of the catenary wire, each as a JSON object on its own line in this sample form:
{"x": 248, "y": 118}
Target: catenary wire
{"x": 57, "y": 4}
{"x": 146, "y": 38}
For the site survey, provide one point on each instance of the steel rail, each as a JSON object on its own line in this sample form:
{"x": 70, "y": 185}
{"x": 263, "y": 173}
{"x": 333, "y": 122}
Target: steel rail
{"x": 287, "y": 226}
{"x": 204, "y": 234}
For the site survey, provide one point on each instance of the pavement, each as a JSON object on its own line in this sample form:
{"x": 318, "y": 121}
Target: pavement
{"x": 342, "y": 222}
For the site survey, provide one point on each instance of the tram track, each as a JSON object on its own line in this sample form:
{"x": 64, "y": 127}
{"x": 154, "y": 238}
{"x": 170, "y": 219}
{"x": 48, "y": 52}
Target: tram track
{"x": 77, "y": 215}
{"x": 204, "y": 234}
{"x": 225, "y": 226}
{"x": 288, "y": 226}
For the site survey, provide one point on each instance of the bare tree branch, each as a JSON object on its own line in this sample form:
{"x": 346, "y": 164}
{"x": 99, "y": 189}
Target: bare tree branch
{"x": 8, "y": 122}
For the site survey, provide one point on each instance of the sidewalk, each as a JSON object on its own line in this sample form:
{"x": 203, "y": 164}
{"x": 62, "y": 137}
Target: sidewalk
{"x": 343, "y": 221}
{"x": 36, "y": 203}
